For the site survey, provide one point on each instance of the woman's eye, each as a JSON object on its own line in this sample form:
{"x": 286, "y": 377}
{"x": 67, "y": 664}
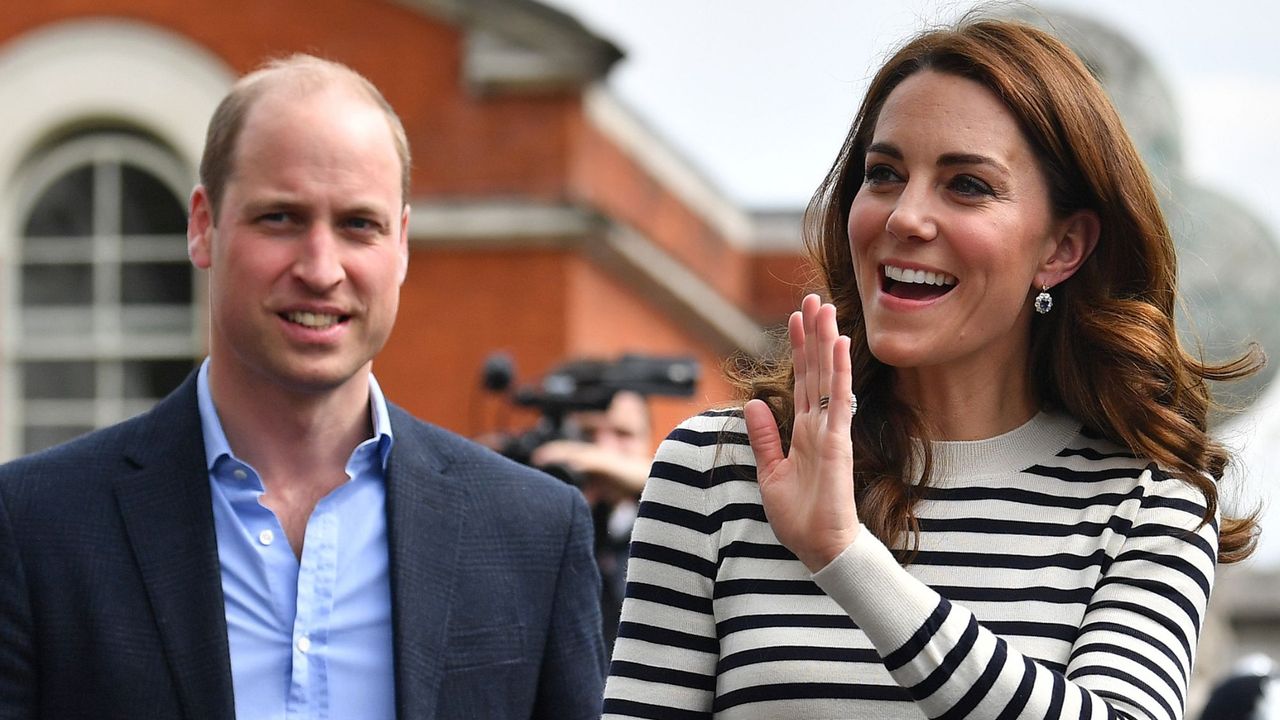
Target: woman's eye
{"x": 970, "y": 185}
{"x": 880, "y": 174}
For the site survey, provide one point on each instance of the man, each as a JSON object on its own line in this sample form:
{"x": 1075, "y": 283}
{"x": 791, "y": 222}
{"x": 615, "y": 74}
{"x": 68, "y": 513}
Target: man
{"x": 612, "y": 459}
{"x": 274, "y": 538}
{"x": 612, "y": 450}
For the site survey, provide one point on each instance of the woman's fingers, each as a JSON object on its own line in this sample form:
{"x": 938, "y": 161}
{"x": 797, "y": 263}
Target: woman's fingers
{"x": 810, "y": 309}
{"x": 812, "y": 332}
{"x": 762, "y": 433}
{"x": 840, "y": 417}
{"x": 795, "y": 334}
{"x": 825, "y": 339}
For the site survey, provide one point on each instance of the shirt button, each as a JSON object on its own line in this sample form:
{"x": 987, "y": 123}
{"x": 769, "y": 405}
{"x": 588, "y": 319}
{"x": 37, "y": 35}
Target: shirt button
{"x": 304, "y": 644}
{"x": 239, "y": 474}
{"x": 266, "y": 537}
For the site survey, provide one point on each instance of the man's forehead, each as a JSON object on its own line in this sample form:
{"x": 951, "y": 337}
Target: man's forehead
{"x": 286, "y": 98}
{"x": 273, "y": 112}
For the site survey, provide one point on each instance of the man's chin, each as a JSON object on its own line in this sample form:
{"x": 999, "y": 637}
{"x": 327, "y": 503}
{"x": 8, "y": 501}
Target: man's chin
{"x": 320, "y": 378}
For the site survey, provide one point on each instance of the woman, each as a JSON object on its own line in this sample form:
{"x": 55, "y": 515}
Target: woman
{"x": 1032, "y": 524}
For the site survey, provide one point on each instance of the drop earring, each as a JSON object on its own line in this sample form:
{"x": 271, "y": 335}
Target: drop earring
{"x": 1044, "y": 301}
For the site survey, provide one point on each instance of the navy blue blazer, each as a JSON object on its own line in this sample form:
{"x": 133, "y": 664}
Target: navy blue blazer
{"x": 111, "y": 594}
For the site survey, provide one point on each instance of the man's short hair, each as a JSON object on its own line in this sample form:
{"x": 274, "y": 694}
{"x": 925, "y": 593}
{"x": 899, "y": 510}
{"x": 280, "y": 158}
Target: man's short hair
{"x": 303, "y": 74}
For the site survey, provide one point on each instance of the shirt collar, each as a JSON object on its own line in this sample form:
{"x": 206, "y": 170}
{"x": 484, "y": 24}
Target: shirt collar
{"x": 215, "y": 439}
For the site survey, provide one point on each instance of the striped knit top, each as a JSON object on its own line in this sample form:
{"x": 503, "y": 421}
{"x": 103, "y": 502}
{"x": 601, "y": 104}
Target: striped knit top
{"x": 1058, "y": 577}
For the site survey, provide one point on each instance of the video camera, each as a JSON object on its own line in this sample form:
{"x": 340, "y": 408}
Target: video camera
{"x": 580, "y": 385}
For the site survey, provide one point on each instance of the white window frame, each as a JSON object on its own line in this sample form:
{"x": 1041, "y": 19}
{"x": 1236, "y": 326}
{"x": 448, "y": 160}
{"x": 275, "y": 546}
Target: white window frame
{"x": 87, "y": 73}
{"x": 102, "y": 338}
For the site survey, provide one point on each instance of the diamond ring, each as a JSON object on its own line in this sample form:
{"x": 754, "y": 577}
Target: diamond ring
{"x": 825, "y": 400}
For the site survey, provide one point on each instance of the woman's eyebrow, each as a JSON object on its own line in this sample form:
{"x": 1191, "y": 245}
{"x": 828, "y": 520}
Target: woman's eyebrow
{"x": 950, "y": 159}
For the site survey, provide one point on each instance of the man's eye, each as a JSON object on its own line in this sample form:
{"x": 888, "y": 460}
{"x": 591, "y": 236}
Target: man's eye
{"x": 274, "y": 218}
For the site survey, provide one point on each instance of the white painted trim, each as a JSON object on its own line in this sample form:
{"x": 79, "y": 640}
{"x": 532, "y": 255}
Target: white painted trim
{"x": 77, "y": 73}
{"x": 101, "y": 69}
{"x": 695, "y": 300}
{"x": 522, "y": 46}
{"x": 778, "y": 231}
{"x": 497, "y": 222}
{"x": 667, "y": 167}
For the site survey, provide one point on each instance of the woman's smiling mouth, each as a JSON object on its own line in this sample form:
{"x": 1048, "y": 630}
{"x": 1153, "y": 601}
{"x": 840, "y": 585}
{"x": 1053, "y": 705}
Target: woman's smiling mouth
{"x": 910, "y": 284}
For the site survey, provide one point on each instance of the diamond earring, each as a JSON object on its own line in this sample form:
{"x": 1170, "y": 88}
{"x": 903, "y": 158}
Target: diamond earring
{"x": 1044, "y": 301}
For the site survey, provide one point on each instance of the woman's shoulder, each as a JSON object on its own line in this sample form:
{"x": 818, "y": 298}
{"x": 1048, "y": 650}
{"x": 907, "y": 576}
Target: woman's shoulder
{"x": 1090, "y": 448}
{"x": 1092, "y": 453}
{"x": 712, "y": 427}
{"x": 706, "y": 450}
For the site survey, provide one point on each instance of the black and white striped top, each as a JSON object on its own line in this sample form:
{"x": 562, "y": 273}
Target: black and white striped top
{"x": 1058, "y": 576}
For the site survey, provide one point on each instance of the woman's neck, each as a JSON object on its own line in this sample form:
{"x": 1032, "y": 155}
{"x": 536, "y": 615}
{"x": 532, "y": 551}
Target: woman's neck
{"x": 972, "y": 401}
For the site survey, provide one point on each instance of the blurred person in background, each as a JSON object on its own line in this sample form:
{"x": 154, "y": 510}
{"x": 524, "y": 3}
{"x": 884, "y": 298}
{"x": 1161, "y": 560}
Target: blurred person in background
{"x": 1250, "y": 692}
{"x": 610, "y": 460}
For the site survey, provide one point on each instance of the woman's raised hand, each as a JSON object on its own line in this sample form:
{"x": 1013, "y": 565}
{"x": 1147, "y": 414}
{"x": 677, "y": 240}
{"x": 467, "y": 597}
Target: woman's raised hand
{"x": 808, "y": 493}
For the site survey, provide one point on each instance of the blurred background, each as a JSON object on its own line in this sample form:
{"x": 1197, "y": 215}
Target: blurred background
{"x": 592, "y": 178}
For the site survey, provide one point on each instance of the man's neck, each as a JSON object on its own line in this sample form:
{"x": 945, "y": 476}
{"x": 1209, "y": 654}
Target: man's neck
{"x": 292, "y": 438}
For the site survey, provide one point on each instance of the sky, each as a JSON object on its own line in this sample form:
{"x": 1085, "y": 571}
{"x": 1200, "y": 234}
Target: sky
{"x": 758, "y": 95}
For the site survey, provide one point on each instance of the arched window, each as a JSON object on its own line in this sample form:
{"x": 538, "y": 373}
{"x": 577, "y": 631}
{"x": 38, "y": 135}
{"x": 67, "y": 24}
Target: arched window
{"x": 104, "y": 317}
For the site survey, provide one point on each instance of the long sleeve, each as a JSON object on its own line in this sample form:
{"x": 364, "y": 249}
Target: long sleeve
{"x": 1133, "y": 652}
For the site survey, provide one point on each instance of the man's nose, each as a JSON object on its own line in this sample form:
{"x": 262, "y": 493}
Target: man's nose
{"x": 318, "y": 263}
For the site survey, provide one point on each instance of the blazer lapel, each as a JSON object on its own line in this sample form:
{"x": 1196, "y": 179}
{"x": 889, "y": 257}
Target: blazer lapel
{"x": 424, "y": 521}
{"x": 168, "y": 516}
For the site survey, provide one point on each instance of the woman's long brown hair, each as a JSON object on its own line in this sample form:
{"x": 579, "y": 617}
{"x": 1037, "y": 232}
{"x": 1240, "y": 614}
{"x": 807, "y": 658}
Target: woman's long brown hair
{"x": 1108, "y": 353}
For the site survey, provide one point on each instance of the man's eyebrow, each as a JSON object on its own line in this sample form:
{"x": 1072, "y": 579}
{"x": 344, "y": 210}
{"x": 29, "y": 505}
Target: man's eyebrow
{"x": 272, "y": 201}
{"x": 363, "y": 209}
{"x": 363, "y": 206}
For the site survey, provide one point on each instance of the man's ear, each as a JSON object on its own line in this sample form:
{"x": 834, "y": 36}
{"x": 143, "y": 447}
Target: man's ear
{"x": 404, "y": 243}
{"x": 1075, "y": 239}
{"x": 200, "y": 229}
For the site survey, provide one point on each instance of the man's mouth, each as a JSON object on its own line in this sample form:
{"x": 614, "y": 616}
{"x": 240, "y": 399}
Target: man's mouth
{"x": 910, "y": 284}
{"x": 314, "y": 321}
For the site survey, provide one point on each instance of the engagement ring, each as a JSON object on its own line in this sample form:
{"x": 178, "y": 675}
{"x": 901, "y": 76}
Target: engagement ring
{"x": 825, "y": 400}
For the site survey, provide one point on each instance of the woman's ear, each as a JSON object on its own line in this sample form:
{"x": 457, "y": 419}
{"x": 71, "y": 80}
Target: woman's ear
{"x": 1075, "y": 238}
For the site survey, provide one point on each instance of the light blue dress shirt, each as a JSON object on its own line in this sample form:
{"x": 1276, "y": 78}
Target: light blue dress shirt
{"x": 309, "y": 639}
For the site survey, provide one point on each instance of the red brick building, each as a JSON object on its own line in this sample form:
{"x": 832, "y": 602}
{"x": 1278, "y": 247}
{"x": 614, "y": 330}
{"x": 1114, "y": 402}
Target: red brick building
{"x": 547, "y": 222}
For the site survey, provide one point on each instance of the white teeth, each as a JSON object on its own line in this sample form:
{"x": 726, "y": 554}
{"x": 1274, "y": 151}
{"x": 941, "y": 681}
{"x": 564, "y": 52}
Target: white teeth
{"x": 312, "y": 320}
{"x": 920, "y": 277}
